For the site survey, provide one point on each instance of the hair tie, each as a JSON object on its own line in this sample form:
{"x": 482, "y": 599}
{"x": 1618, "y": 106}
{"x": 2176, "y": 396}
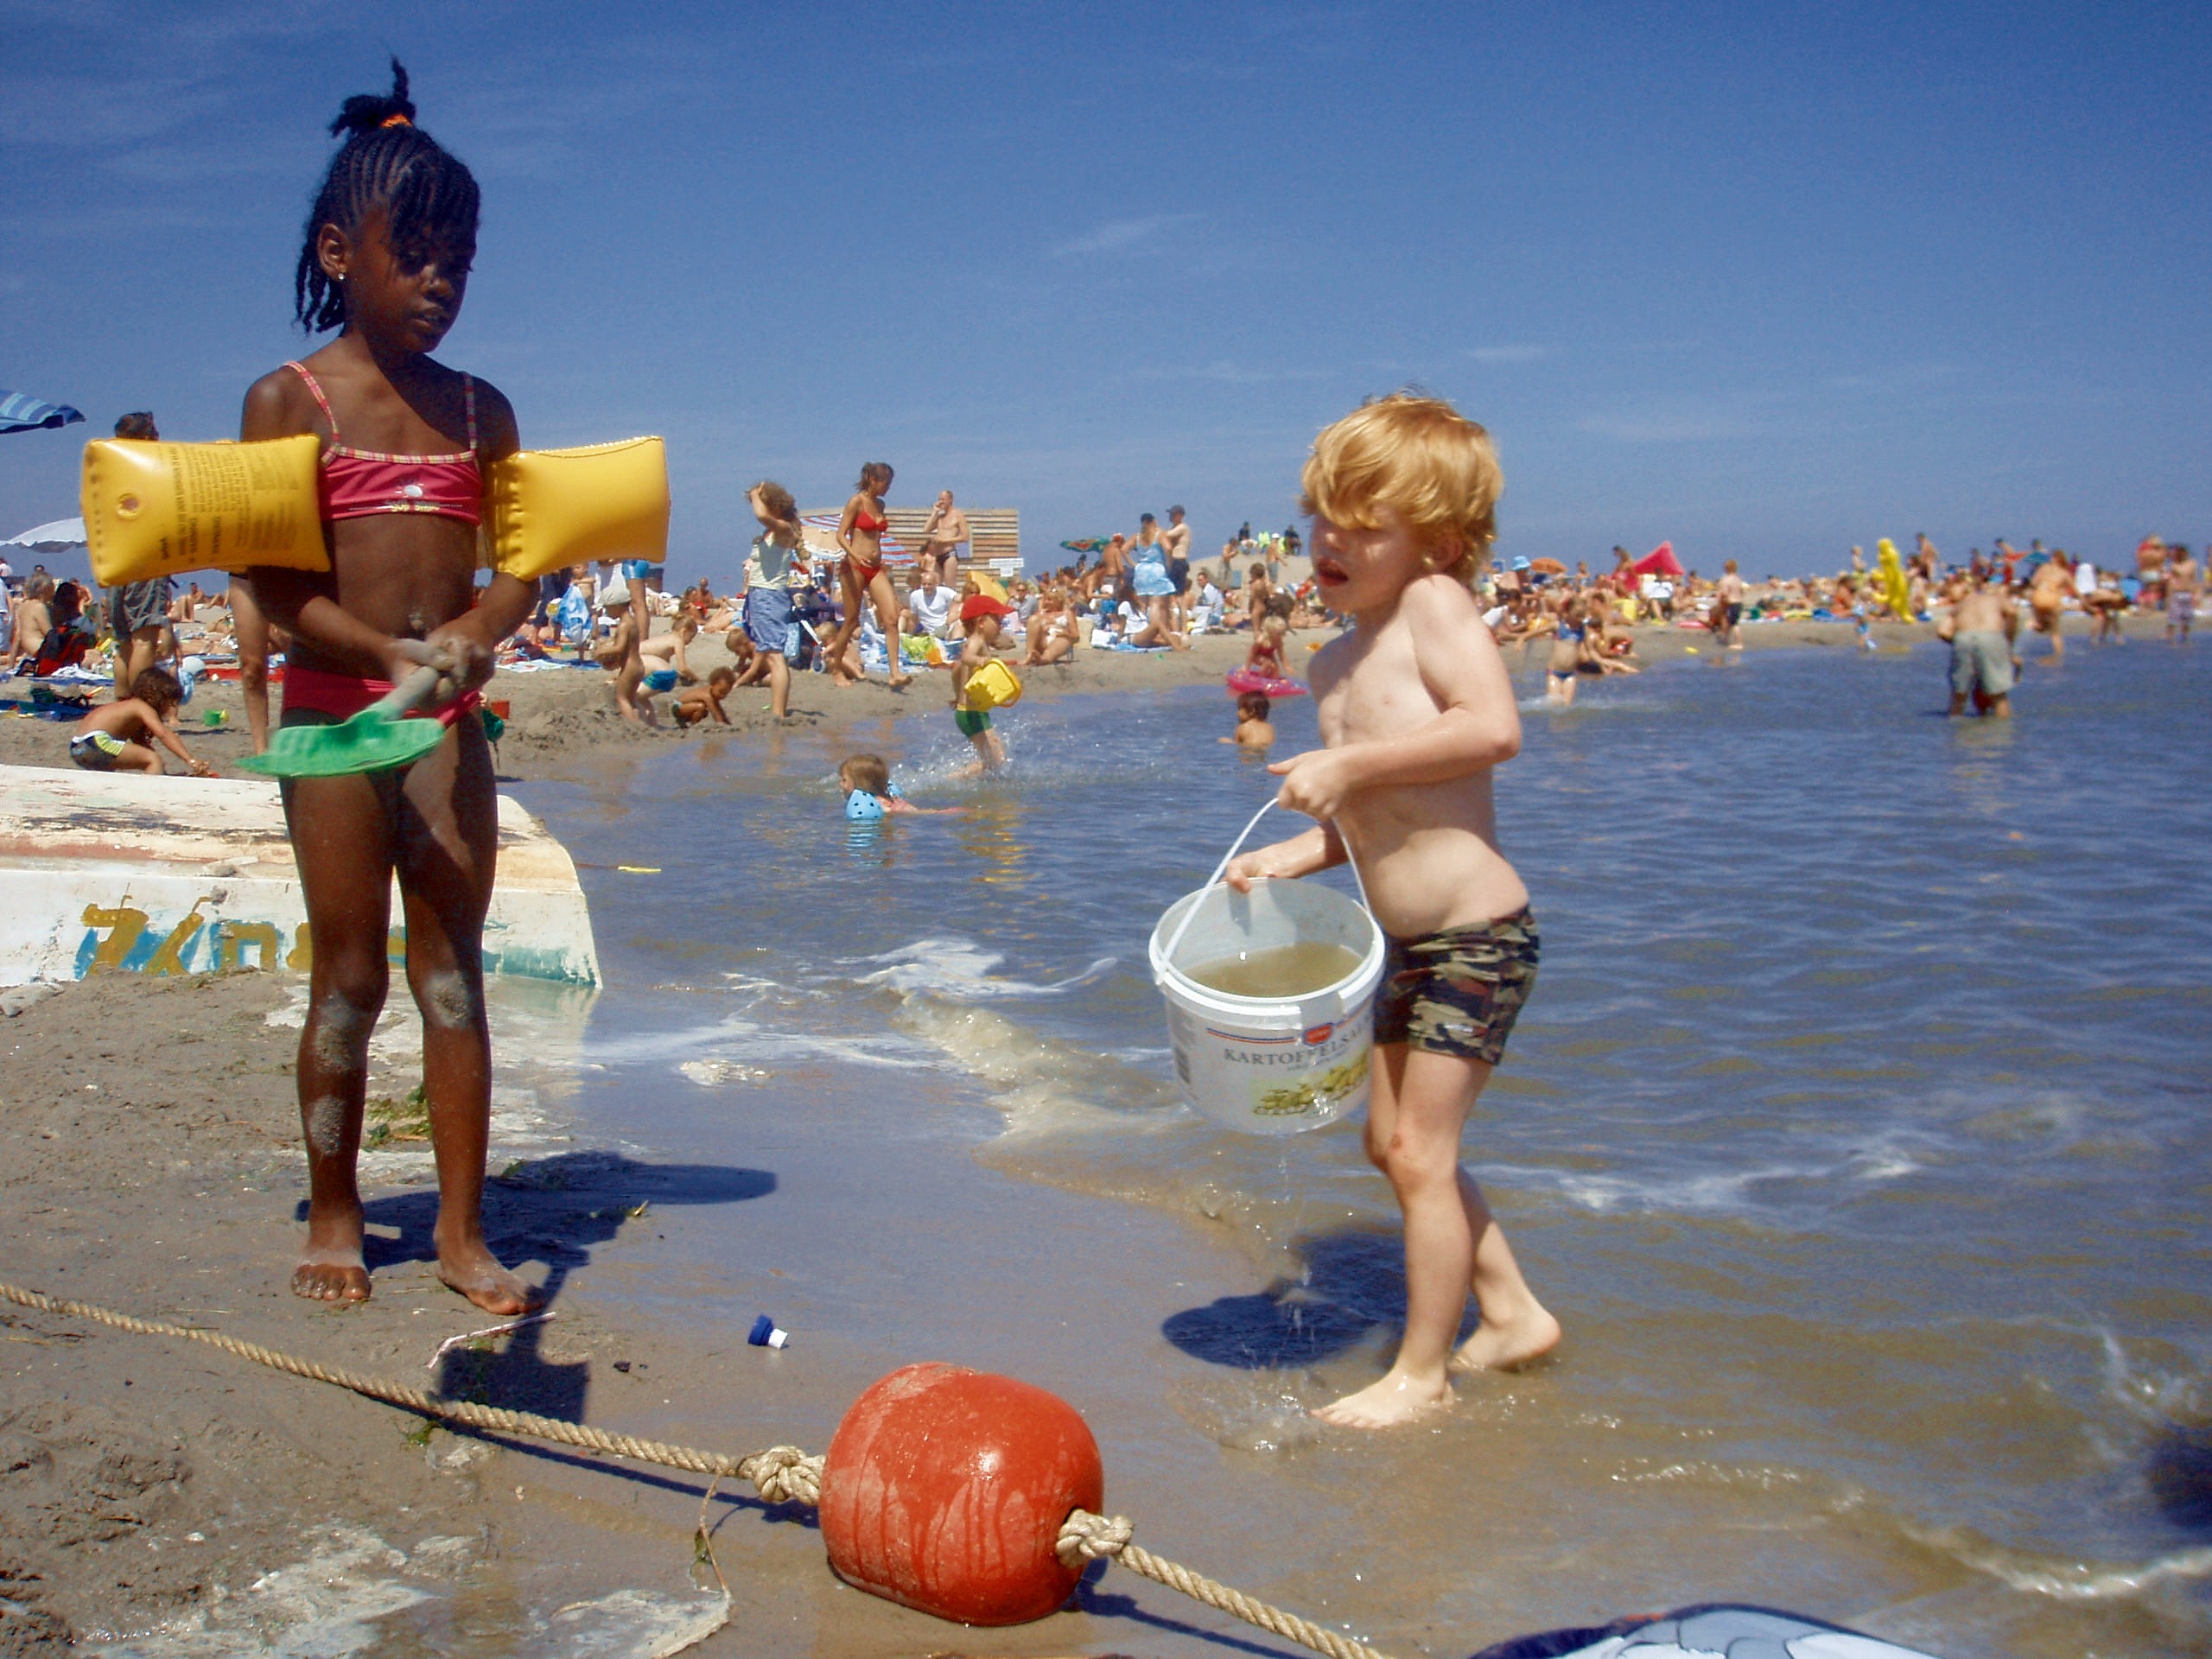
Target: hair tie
{"x": 394, "y": 121}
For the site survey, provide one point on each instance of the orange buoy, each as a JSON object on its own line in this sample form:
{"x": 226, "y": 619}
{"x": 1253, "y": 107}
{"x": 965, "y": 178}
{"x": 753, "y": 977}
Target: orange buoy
{"x": 944, "y": 1489}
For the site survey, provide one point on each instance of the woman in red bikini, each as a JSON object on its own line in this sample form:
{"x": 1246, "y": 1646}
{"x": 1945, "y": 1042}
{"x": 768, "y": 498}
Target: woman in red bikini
{"x": 388, "y": 248}
{"x": 859, "y": 533}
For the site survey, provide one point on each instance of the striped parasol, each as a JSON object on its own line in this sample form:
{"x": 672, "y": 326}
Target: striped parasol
{"x": 21, "y": 412}
{"x": 896, "y": 553}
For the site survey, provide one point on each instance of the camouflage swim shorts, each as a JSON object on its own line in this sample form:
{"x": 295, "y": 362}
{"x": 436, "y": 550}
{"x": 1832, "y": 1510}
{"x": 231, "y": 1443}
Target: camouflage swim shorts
{"x": 1459, "y": 992}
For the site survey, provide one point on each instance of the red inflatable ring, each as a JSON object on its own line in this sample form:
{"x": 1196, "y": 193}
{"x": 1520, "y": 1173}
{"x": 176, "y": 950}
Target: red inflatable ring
{"x": 944, "y": 1489}
{"x": 1242, "y": 680}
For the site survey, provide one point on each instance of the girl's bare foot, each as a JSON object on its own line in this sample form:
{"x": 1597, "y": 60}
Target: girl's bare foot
{"x": 331, "y": 1268}
{"x": 468, "y": 1266}
{"x": 1508, "y": 1346}
{"x": 901, "y": 683}
{"x": 1397, "y": 1397}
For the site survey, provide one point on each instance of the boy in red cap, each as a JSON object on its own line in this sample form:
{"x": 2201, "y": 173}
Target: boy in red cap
{"x": 979, "y": 621}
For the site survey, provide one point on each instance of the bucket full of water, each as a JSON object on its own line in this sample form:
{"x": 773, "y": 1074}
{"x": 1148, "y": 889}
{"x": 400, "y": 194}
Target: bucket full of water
{"x": 1270, "y": 999}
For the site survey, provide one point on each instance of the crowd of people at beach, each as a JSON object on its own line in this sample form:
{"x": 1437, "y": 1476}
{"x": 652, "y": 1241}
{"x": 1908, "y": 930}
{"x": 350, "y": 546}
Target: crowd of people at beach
{"x": 810, "y": 602}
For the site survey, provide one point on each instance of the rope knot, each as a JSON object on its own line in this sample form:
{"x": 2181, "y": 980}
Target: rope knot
{"x": 784, "y": 1474}
{"x": 1088, "y": 1537}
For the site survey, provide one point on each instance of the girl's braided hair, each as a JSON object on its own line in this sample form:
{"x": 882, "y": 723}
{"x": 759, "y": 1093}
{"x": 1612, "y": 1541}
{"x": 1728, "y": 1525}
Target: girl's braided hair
{"x": 387, "y": 159}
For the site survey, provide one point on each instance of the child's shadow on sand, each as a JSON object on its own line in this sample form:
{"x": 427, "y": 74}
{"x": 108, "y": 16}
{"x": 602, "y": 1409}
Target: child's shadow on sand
{"x": 1354, "y": 1283}
{"x": 550, "y": 1210}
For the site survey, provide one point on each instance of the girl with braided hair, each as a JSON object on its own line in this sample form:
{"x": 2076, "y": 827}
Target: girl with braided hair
{"x": 385, "y": 261}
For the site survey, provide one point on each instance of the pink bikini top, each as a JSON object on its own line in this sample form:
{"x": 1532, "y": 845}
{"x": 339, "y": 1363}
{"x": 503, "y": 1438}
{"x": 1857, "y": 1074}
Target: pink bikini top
{"x": 359, "y": 484}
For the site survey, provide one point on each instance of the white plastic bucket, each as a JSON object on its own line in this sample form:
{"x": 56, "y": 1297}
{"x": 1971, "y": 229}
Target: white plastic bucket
{"x": 1267, "y": 1066}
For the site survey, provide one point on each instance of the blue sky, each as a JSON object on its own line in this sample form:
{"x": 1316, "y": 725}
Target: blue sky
{"x": 1765, "y": 281}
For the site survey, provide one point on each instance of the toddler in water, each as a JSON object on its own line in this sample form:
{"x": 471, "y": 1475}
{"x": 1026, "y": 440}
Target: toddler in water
{"x": 869, "y": 792}
{"x": 1416, "y": 709}
{"x": 1253, "y": 730}
{"x": 979, "y": 616}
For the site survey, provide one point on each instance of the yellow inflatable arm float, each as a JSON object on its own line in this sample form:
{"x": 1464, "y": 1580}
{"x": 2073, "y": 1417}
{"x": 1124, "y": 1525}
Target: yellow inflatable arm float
{"x": 553, "y": 508}
{"x": 160, "y": 509}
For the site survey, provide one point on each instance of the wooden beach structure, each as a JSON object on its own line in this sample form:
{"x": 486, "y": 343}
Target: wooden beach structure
{"x": 123, "y": 873}
{"x": 995, "y": 533}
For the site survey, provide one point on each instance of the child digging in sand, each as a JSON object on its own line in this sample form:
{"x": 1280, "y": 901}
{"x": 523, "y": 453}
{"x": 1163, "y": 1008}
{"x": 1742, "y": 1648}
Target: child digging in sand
{"x": 118, "y": 736}
{"x": 1416, "y": 710}
{"x": 387, "y": 252}
{"x": 702, "y": 702}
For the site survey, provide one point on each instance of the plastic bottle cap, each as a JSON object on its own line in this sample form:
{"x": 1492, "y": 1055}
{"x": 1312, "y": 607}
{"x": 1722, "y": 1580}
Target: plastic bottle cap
{"x": 765, "y": 1333}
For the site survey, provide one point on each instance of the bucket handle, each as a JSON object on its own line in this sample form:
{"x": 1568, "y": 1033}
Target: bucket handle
{"x": 1167, "y": 954}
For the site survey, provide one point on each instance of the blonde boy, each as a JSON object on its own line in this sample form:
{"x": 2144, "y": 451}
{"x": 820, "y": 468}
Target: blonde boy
{"x": 1415, "y": 709}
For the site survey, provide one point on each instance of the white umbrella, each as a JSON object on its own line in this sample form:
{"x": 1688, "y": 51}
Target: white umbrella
{"x": 57, "y": 538}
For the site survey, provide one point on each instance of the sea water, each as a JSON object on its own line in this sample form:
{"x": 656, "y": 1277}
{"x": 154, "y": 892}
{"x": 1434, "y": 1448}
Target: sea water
{"x": 1854, "y": 1132}
{"x": 1283, "y": 970}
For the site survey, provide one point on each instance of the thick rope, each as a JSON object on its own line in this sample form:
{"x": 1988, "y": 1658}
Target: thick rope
{"x": 1088, "y": 1537}
{"x": 782, "y": 1474}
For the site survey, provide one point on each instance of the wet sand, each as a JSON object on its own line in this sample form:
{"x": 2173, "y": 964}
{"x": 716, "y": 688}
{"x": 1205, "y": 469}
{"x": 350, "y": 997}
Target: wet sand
{"x": 155, "y": 1488}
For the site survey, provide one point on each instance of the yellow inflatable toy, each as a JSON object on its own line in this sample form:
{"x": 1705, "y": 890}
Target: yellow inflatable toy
{"x": 553, "y": 508}
{"x": 993, "y": 686}
{"x": 160, "y": 509}
{"x": 1895, "y": 588}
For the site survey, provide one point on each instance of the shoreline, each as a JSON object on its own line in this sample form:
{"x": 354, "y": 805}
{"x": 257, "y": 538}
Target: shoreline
{"x": 563, "y": 719}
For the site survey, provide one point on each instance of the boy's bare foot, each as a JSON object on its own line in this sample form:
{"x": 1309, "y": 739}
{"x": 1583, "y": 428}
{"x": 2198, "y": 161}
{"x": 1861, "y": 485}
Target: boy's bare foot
{"x": 1397, "y": 1397}
{"x": 472, "y": 1271}
{"x": 331, "y": 1268}
{"x": 1506, "y": 1347}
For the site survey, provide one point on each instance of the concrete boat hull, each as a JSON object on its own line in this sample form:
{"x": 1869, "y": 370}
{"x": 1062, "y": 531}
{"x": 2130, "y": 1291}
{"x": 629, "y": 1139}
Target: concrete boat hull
{"x": 101, "y": 871}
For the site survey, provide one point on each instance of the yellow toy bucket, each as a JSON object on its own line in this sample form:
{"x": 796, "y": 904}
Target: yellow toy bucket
{"x": 993, "y": 686}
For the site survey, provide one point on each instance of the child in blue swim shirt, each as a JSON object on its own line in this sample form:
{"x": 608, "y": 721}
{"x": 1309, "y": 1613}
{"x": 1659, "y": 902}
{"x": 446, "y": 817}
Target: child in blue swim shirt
{"x": 870, "y": 794}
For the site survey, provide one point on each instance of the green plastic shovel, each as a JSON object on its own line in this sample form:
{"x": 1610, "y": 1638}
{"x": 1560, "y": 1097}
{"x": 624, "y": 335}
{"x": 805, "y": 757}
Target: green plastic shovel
{"x": 378, "y": 738}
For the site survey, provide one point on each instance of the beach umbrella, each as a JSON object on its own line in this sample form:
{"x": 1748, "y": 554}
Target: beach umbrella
{"x": 60, "y": 537}
{"x": 1088, "y": 545}
{"x": 1659, "y": 562}
{"x": 21, "y": 412}
{"x": 1548, "y": 566}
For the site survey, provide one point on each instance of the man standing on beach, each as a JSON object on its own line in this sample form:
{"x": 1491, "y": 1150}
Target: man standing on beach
{"x": 943, "y": 536}
{"x": 1175, "y": 538}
